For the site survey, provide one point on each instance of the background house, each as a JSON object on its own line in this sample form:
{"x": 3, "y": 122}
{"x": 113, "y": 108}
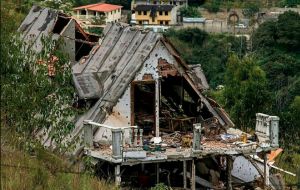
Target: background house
{"x": 111, "y": 13}
{"x": 155, "y": 12}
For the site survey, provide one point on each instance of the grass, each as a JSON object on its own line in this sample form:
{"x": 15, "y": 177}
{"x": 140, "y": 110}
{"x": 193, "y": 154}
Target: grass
{"x": 39, "y": 168}
{"x": 289, "y": 161}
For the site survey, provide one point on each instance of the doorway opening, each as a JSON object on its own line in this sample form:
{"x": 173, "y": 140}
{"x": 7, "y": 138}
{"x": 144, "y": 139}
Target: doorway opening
{"x": 143, "y": 105}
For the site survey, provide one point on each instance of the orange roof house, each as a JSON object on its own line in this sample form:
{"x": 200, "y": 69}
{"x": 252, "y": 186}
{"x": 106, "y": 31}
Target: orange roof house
{"x": 111, "y": 12}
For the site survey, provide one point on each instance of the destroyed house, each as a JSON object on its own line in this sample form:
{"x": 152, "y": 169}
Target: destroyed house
{"x": 139, "y": 79}
{"x": 42, "y": 23}
{"x": 147, "y": 117}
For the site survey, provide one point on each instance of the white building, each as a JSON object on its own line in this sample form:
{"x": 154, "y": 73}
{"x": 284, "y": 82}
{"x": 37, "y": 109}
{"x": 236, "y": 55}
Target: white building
{"x": 111, "y": 12}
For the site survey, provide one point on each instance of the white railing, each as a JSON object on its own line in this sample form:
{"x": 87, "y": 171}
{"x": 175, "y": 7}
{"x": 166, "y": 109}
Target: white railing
{"x": 267, "y": 128}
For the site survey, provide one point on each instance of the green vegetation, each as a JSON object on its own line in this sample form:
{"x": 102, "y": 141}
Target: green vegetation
{"x": 190, "y": 11}
{"x": 245, "y": 92}
{"x": 32, "y": 101}
{"x": 277, "y": 46}
{"x": 250, "y": 10}
{"x": 160, "y": 186}
{"x": 95, "y": 30}
{"x": 211, "y": 51}
{"x": 265, "y": 79}
{"x": 213, "y": 6}
{"x": 40, "y": 169}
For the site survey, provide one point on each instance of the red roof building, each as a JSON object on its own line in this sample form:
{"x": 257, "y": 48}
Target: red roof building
{"x": 111, "y": 12}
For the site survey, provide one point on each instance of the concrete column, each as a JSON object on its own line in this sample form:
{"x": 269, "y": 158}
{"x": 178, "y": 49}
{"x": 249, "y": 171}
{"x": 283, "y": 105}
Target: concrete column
{"x": 117, "y": 175}
{"x": 157, "y": 92}
{"x": 116, "y": 143}
{"x": 197, "y": 136}
{"x": 228, "y": 169}
{"x": 184, "y": 175}
{"x": 87, "y": 14}
{"x": 193, "y": 175}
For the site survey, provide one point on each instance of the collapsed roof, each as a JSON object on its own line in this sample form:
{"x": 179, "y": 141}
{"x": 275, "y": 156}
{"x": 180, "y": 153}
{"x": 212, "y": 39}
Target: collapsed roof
{"x": 44, "y": 22}
{"x": 108, "y": 71}
{"x": 104, "y": 70}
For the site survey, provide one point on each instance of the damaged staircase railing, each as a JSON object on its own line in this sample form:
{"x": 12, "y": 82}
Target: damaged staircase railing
{"x": 135, "y": 139}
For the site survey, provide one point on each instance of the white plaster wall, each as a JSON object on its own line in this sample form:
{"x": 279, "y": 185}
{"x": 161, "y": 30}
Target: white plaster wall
{"x": 112, "y": 17}
{"x": 120, "y": 116}
{"x": 150, "y": 65}
{"x": 244, "y": 169}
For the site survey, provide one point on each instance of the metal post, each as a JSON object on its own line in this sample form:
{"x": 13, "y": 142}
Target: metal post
{"x": 157, "y": 91}
{"x": 266, "y": 172}
{"x": 88, "y": 134}
{"x": 184, "y": 174}
{"x": 157, "y": 173}
{"x": 141, "y": 137}
{"x": 117, "y": 175}
{"x": 193, "y": 174}
{"x": 229, "y": 168}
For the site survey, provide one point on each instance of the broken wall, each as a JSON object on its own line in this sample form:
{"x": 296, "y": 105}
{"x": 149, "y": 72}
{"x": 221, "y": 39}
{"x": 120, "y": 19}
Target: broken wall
{"x": 121, "y": 112}
{"x": 68, "y": 35}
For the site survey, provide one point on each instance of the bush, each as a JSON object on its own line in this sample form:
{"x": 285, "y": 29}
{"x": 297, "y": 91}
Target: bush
{"x": 212, "y": 6}
{"x": 95, "y": 30}
{"x": 160, "y": 186}
{"x": 189, "y": 12}
{"x": 250, "y": 10}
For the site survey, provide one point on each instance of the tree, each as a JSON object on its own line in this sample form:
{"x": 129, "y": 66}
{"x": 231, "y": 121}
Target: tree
{"x": 189, "y": 11}
{"x": 284, "y": 33}
{"x": 288, "y": 32}
{"x": 213, "y": 6}
{"x": 245, "y": 90}
{"x": 265, "y": 36}
{"x": 63, "y": 5}
{"x": 250, "y": 10}
{"x": 31, "y": 100}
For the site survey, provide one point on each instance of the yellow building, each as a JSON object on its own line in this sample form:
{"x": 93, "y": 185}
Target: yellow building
{"x": 155, "y": 14}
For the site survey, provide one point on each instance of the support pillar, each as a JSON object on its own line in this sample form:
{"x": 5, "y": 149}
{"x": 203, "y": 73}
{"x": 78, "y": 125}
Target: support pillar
{"x": 266, "y": 172}
{"x": 117, "y": 175}
{"x": 184, "y": 174}
{"x": 116, "y": 143}
{"x": 228, "y": 170}
{"x": 193, "y": 175}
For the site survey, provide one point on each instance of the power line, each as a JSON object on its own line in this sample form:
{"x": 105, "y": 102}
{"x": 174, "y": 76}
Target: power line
{"x": 33, "y": 168}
